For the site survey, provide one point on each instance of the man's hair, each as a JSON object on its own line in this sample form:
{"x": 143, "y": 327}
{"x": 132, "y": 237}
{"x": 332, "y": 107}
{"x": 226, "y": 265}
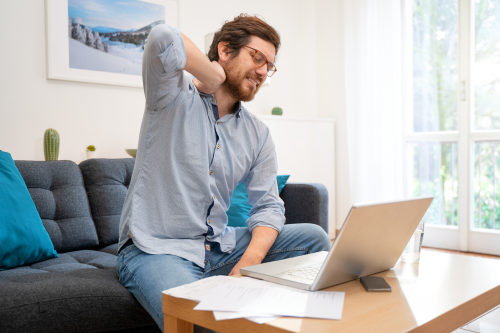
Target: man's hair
{"x": 237, "y": 34}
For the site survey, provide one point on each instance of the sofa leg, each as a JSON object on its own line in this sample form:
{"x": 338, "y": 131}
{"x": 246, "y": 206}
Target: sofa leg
{"x": 176, "y": 325}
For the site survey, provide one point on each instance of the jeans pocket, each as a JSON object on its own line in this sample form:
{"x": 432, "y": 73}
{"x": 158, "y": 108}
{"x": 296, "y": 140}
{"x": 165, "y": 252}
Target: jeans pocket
{"x": 130, "y": 253}
{"x": 125, "y": 263}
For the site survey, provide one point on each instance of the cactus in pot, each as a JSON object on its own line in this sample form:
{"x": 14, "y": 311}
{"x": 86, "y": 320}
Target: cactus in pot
{"x": 51, "y": 145}
{"x": 277, "y": 111}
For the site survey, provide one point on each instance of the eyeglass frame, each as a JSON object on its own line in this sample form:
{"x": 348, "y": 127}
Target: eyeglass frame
{"x": 266, "y": 63}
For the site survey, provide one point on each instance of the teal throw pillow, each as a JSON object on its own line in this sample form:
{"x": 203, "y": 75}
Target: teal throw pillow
{"x": 239, "y": 209}
{"x": 23, "y": 237}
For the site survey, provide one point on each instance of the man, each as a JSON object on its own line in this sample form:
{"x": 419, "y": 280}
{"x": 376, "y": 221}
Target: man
{"x": 197, "y": 143}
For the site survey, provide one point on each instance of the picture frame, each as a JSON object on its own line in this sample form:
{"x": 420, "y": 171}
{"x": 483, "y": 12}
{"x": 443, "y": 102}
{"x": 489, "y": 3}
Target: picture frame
{"x": 63, "y": 66}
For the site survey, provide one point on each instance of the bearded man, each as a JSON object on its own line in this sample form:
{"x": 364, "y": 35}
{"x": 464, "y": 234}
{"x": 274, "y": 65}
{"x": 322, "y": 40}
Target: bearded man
{"x": 197, "y": 143}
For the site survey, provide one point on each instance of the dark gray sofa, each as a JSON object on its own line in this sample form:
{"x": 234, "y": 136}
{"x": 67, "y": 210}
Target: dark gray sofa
{"x": 80, "y": 206}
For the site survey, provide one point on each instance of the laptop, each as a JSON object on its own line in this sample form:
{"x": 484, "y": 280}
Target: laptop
{"x": 371, "y": 241}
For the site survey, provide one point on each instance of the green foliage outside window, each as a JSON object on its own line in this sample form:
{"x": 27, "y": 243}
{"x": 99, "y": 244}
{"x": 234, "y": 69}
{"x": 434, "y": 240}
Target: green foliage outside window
{"x": 435, "y": 108}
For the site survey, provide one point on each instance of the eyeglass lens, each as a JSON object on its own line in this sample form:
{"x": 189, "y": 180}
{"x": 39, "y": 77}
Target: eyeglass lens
{"x": 259, "y": 59}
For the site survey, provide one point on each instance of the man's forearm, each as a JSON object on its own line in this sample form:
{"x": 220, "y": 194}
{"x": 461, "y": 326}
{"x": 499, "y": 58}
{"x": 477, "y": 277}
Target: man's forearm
{"x": 262, "y": 240}
{"x": 211, "y": 75}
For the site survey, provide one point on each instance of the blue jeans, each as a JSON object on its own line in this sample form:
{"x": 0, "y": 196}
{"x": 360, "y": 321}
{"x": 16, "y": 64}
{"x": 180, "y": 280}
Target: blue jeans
{"x": 147, "y": 275}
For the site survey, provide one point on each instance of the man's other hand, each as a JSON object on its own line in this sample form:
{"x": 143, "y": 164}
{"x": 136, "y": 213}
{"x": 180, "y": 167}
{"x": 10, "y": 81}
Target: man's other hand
{"x": 244, "y": 262}
{"x": 262, "y": 240}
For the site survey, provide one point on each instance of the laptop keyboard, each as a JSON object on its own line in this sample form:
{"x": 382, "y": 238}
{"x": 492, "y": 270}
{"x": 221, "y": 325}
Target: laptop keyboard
{"x": 308, "y": 272}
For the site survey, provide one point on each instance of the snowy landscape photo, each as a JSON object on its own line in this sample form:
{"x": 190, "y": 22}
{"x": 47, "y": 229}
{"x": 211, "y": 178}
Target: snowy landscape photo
{"x": 109, "y": 35}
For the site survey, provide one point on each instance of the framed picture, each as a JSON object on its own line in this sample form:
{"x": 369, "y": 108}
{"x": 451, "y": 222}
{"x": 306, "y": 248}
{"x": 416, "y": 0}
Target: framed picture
{"x": 102, "y": 41}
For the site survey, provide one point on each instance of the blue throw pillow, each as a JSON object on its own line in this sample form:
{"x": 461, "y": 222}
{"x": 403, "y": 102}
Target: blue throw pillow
{"x": 239, "y": 208}
{"x": 23, "y": 238}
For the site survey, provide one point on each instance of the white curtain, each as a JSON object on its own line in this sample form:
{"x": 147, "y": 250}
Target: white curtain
{"x": 373, "y": 84}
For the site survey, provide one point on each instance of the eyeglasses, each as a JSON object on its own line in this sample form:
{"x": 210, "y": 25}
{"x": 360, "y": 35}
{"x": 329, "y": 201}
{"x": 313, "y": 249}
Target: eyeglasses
{"x": 259, "y": 59}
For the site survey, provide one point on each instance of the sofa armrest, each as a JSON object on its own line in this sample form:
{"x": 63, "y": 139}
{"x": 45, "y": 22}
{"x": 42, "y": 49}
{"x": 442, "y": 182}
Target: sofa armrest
{"x": 306, "y": 203}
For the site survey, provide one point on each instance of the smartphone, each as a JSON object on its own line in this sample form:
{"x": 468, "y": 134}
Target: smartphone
{"x": 375, "y": 283}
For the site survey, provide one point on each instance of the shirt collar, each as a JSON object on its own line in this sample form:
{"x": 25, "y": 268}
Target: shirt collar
{"x": 238, "y": 109}
{"x": 212, "y": 100}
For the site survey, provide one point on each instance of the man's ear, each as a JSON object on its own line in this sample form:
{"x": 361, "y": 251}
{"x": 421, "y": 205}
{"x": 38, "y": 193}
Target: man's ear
{"x": 223, "y": 51}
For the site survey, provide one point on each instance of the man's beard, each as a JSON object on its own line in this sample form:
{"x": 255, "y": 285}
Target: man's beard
{"x": 235, "y": 83}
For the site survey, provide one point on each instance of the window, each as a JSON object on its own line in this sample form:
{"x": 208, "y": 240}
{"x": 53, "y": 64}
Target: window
{"x": 452, "y": 119}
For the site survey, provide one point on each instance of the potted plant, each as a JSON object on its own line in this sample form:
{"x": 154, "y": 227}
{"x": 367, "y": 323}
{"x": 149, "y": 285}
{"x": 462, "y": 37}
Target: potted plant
{"x": 277, "y": 111}
{"x": 90, "y": 152}
{"x": 51, "y": 145}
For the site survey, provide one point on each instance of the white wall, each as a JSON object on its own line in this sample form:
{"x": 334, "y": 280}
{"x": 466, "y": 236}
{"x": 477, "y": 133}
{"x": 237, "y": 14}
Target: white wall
{"x": 331, "y": 92}
{"x": 106, "y": 116}
{"x": 294, "y": 84}
{"x": 309, "y": 81}
{"x": 109, "y": 117}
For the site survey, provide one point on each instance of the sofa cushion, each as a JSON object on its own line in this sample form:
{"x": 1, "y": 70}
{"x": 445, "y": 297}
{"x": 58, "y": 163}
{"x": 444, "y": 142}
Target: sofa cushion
{"x": 113, "y": 249}
{"x": 22, "y": 235}
{"x": 107, "y": 181}
{"x": 77, "y": 292}
{"x": 239, "y": 208}
{"x": 59, "y": 195}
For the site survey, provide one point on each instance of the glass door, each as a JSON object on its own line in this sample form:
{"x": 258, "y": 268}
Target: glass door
{"x": 452, "y": 119}
{"x": 484, "y": 235}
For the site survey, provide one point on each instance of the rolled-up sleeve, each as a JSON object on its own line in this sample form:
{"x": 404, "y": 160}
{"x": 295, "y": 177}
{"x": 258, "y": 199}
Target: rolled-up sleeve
{"x": 267, "y": 207}
{"x": 164, "y": 57}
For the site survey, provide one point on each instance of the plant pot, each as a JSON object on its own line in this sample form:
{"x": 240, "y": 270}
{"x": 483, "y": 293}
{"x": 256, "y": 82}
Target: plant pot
{"x": 90, "y": 154}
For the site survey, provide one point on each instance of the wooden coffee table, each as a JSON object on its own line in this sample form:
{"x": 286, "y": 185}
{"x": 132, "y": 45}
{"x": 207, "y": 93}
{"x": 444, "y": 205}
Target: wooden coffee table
{"x": 439, "y": 294}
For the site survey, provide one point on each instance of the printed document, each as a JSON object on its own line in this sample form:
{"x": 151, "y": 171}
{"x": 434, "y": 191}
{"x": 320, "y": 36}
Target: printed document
{"x": 196, "y": 291}
{"x": 206, "y": 290}
{"x": 238, "y": 297}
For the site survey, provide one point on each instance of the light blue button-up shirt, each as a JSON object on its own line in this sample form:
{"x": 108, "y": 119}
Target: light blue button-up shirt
{"x": 188, "y": 163}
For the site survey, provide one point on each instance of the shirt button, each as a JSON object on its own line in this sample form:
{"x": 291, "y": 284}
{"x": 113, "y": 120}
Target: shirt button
{"x": 217, "y": 122}
{"x": 213, "y": 100}
{"x": 218, "y": 146}
{"x": 129, "y": 235}
{"x": 205, "y": 262}
{"x": 207, "y": 247}
{"x": 214, "y": 196}
{"x": 209, "y": 221}
{"x": 211, "y": 172}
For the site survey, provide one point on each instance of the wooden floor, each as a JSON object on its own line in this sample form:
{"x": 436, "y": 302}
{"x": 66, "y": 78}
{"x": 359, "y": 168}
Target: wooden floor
{"x": 473, "y": 254}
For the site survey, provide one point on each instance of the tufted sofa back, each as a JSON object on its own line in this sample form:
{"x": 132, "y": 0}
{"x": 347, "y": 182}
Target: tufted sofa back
{"x": 59, "y": 195}
{"x": 80, "y": 205}
{"x": 106, "y": 182}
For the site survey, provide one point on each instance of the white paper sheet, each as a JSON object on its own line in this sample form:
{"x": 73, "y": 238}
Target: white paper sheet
{"x": 239, "y": 297}
{"x": 261, "y": 320}
{"x": 196, "y": 291}
{"x": 220, "y": 315}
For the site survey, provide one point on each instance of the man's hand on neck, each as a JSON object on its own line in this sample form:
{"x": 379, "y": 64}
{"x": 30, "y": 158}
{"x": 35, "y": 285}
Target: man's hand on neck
{"x": 210, "y": 86}
{"x": 210, "y": 75}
